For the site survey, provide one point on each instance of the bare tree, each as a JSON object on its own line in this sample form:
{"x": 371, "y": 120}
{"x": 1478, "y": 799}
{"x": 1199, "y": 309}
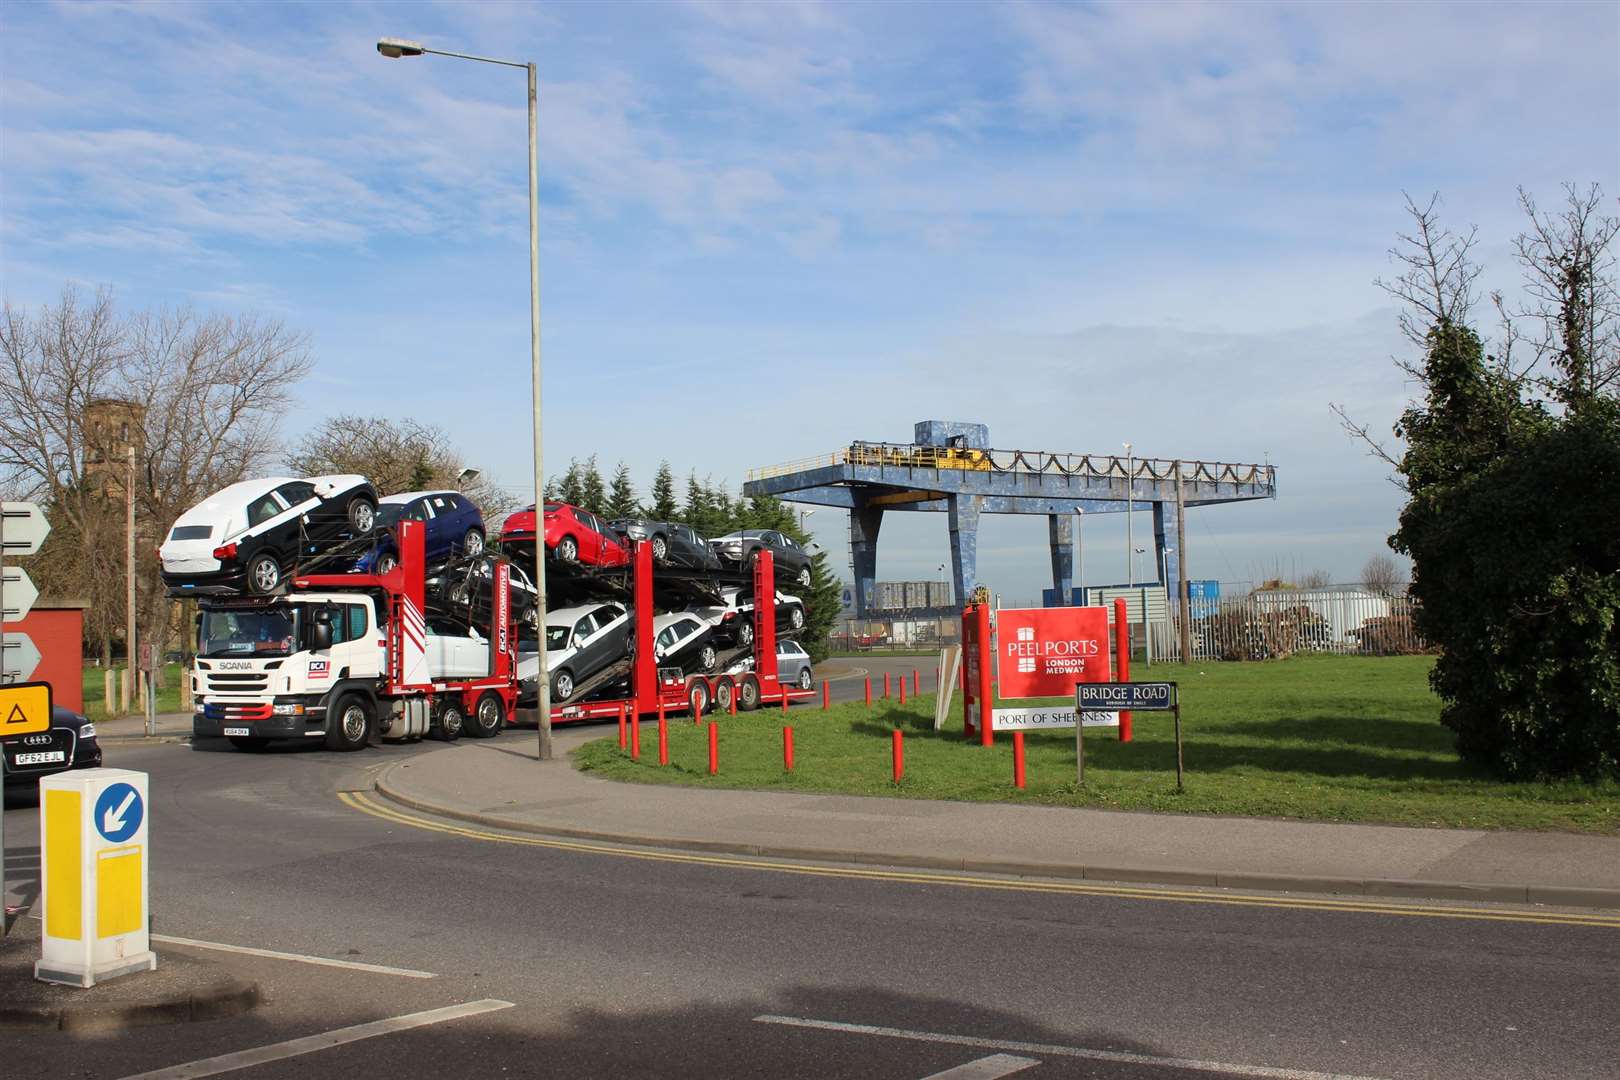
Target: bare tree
{"x": 397, "y": 455}
{"x": 1571, "y": 297}
{"x": 1315, "y": 579}
{"x": 210, "y": 390}
{"x": 1436, "y": 282}
{"x": 1382, "y": 575}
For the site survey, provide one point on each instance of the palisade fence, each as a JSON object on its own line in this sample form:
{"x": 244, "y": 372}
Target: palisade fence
{"x": 1263, "y": 624}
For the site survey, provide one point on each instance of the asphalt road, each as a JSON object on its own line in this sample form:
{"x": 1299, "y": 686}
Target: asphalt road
{"x": 622, "y": 965}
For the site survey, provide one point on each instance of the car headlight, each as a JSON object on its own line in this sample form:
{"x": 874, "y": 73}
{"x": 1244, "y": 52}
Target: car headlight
{"x": 88, "y": 731}
{"x": 636, "y": 532}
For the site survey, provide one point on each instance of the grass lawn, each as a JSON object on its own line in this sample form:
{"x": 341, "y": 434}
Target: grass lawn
{"x": 95, "y": 692}
{"x": 1328, "y": 738}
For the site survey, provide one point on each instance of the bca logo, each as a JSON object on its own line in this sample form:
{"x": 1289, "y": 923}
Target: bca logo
{"x": 319, "y": 669}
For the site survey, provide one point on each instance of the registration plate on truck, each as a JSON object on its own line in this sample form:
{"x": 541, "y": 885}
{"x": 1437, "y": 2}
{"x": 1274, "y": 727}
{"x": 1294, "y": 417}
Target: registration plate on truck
{"x": 47, "y": 757}
{"x": 237, "y": 731}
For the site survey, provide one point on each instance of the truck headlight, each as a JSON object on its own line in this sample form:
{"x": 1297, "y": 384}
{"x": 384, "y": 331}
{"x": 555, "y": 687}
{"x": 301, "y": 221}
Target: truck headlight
{"x": 287, "y": 710}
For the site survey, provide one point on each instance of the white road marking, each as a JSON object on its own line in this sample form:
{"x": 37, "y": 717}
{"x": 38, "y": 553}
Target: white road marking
{"x": 323, "y": 961}
{"x": 1192, "y": 1064}
{"x": 986, "y": 1068}
{"x": 259, "y": 1055}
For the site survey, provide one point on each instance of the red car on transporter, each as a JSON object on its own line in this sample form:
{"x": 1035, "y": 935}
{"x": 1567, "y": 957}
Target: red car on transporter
{"x": 572, "y": 535}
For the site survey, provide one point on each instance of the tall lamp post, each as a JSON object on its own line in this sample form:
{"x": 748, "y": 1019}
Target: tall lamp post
{"x": 394, "y": 49}
{"x": 1130, "y": 505}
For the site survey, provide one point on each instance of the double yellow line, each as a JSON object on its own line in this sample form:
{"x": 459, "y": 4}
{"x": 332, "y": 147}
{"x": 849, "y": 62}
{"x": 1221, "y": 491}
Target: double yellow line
{"x": 366, "y": 804}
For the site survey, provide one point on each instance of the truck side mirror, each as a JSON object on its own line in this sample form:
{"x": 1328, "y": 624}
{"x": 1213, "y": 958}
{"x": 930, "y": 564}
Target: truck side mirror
{"x": 321, "y": 631}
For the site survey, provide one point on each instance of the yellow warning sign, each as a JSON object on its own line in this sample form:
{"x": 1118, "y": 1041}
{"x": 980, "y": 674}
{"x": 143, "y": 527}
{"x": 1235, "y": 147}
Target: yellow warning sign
{"x": 24, "y": 708}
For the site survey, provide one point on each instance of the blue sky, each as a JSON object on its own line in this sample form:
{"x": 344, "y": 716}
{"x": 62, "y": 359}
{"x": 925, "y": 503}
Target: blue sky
{"x": 769, "y": 229}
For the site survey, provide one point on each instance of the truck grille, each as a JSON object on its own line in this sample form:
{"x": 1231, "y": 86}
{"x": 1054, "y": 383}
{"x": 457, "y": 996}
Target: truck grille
{"x": 237, "y": 682}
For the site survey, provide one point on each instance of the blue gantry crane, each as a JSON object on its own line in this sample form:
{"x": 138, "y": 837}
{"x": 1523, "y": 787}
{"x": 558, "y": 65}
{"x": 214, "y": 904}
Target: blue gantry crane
{"x": 950, "y": 467}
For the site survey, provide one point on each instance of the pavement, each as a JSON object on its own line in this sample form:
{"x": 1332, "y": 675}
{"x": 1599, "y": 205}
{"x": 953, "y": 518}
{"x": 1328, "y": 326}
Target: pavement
{"x": 167, "y": 727}
{"x": 502, "y": 784}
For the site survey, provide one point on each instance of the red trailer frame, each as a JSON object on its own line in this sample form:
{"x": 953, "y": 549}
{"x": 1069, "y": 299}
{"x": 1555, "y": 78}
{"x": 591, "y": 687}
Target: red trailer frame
{"x": 651, "y": 687}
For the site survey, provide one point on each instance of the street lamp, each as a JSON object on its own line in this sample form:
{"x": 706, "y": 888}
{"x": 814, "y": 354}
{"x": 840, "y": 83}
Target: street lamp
{"x": 804, "y": 514}
{"x": 465, "y": 477}
{"x": 394, "y": 49}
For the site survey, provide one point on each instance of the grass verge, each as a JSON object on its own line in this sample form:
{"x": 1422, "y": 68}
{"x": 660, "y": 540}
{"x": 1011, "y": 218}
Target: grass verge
{"x": 95, "y": 694}
{"x": 1320, "y": 738}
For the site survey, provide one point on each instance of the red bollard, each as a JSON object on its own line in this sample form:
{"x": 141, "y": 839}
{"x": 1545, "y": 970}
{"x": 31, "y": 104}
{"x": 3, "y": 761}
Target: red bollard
{"x": 621, "y": 725}
{"x": 826, "y": 696}
{"x": 869, "y": 690}
{"x": 885, "y": 686}
{"x": 635, "y": 737}
{"x": 733, "y": 709}
{"x": 1018, "y": 759}
{"x": 1122, "y": 661}
{"x": 916, "y": 683}
{"x": 902, "y": 689}
{"x": 899, "y": 743}
{"x": 787, "y": 749}
{"x": 663, "y": 736}
{"x": 714, "y": 748}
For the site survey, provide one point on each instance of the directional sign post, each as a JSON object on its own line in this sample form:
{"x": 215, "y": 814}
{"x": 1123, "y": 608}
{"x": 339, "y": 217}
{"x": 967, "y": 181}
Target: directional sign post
{"x": 22, "y": 528}
{"x": 93, "y": 876}
{"x": 19, "y": 656}
{"x": 17, "y": 594}
{"x": 1132, "y": 697}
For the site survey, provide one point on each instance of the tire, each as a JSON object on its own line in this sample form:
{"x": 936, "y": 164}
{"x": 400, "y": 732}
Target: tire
{"x": 745, "y": 632}
{"x": 748, "y": 694}
{"x": 562, "y": 686}
{"x": 451, "y": 723}
{"x": 708, "y": 658}
{"x": 724, "y": 691}
{"x": 385, "y": 562}
{"x": 349, "y": 724}
{"x": 660, "y": 548}
{"x": 250, "y": 743}
{"x": 264, "y": 573}
{"x": 806, "y": 682}
{"x": 457, "y": 593}
{"x": 530, "y": 617}
{"x": 697, "y": 697}
{"x": 804, "y": 576}
{"x": 568, "y": 549}
{"x": 489, "y": 718}
{"x": 473, "y": 542}
{"x": 796, "y": 617}
{"x": 753, "y": 558}
{"x": 362, "y": 515}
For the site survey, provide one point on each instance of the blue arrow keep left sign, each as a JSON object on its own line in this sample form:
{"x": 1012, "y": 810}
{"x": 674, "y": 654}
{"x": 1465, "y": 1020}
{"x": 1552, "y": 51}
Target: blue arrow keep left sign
{"x": 119, "y": 812}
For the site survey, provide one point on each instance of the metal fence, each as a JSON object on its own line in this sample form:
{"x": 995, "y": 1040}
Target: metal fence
{"x": 1273, "y": 623}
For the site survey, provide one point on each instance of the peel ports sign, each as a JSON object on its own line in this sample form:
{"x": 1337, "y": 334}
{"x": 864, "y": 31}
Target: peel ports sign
{"x": 1044, "y": 652}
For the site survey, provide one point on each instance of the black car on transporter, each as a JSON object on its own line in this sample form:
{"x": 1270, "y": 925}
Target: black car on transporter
{"x": 69, "y": 743}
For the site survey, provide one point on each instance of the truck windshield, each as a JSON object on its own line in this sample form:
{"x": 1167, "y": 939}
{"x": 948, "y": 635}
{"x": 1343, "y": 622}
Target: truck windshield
{"x": 260, "y": 632}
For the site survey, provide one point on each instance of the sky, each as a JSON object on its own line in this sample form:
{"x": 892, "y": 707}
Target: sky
{"x": 768, "y": 230}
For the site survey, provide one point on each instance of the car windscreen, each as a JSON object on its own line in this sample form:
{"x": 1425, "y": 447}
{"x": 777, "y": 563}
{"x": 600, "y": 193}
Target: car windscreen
{"x": 191, "y": 532}
{"x": 557, "y": 638}
{"x": 260, "y": 632}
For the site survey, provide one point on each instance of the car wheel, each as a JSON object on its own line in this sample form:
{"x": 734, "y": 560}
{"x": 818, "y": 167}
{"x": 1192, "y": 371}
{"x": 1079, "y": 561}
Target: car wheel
{"x": 349, "y": 723}
{"x": 264, "y": 572}
{"x": 796, "y": 617}
{"x": 708, "y": 658}
{"x": 457, "y": 593}
{"x": 489, "y": 718}
{"x": 753, "y": 558}
{"x": 748, "y": 694}
{"x": 660, "y": 548}
{"x": 249, "y": 742}
{"x": 562, "y": 686}
{"x": 804, "y": 576}
{"x": 362, "y": 516}
{"x": 450, "y": 725}
{"x": 805, "y": 680}
{"x": 568, "y": 549}
{"x": 530, "y": 617}
{"x": 473, "y": 542}
{"x": 385, "y": 563}
{"x": 745, "y": 632}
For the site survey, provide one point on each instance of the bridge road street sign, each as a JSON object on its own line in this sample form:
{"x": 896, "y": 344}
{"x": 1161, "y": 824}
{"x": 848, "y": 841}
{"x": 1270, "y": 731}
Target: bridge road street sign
{"x": 1133, "y": 697}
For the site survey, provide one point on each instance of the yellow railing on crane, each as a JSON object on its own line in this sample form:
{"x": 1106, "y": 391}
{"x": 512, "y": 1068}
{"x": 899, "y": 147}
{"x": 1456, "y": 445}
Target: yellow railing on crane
{"x": 910, "y": 456}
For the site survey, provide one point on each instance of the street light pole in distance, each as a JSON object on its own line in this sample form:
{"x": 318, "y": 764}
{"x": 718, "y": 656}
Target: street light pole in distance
{"x": 395, "y": 49}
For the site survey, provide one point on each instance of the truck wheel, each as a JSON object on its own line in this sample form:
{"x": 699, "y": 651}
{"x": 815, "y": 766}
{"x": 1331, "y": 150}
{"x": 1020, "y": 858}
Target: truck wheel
{"x": 349, "y": 724}
{"x": 697, "y": 697}
{"x": 264, "y": 572}
{"x": 362, "y": 515}
{"x": 450, "y": 723}
{"x": 562, "y": 686}
{"x": 489, "y": 718}
{"x": 724, "y": 691}
{"x": 748, "y": 694}
{"x": 251, "y": 743}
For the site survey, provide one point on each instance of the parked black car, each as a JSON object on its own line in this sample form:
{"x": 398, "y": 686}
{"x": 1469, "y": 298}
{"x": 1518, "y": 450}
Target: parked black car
{"x": 673, "y": 544}
{"x": 461, "y": 590}
{"x": 250, "y": 534}
{"x": 740, "y": 549}
{"x": 684, "y": 640}
{"x": 69, "y": 743}
{"x": 733, "y": 618}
